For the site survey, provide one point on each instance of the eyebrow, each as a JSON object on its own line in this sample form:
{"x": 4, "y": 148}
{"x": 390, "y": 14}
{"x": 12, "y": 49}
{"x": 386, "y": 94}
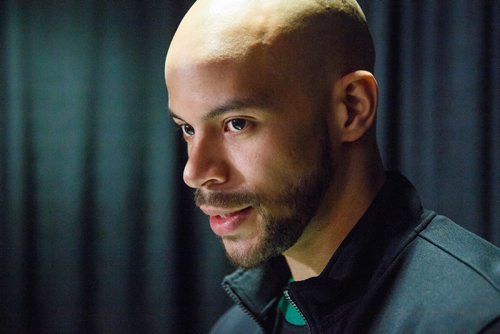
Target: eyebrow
{"x": 233, "y": 105}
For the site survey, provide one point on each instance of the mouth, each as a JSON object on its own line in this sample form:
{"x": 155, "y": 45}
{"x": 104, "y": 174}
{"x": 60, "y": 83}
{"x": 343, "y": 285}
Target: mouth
{"x": 221, "y": 212}
{"x": 225, "y": 222}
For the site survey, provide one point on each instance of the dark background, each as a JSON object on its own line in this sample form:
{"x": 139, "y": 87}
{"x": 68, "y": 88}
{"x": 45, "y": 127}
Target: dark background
{"x": 97, "y": 232}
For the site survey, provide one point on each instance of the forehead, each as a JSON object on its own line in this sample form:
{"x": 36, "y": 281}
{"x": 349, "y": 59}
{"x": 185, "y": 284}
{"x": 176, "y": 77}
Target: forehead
{"x": 221, "y": 50}
{"x": 209, "y": 84}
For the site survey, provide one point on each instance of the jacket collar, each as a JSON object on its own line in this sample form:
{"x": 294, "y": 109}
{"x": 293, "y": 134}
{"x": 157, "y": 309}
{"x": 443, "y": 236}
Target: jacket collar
{"x": 380, "y": 235}
{"x": 258, "y": 290}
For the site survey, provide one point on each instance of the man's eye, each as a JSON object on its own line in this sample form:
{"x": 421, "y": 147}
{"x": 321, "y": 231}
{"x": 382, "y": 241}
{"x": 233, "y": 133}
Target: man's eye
{"x": 187, "y": 130}
{"x": 236, "y": 125}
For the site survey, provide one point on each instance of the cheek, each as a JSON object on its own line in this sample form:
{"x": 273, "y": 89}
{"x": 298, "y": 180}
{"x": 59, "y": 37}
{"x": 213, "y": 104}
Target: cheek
{"x": 280, "y": 151}
{"x": 272, "y": 166}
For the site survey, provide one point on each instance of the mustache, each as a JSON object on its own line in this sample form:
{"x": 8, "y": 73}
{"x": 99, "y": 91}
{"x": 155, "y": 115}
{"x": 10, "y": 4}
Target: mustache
{"x": 224, "y": 199}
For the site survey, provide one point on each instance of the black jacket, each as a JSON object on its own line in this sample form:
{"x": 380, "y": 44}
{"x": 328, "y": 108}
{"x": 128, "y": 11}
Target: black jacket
{"x": 402, "y": 269}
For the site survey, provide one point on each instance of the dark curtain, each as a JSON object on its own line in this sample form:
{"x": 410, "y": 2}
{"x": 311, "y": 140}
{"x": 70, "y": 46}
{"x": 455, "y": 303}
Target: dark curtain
{"x": 97, "y": 232}
{"x": 439, "y": 71}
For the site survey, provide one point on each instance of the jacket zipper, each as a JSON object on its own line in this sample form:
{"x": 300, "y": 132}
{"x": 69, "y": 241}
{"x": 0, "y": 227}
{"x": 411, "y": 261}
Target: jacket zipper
{"x": 238, "y": 302}
{"x": 295, "y": 306}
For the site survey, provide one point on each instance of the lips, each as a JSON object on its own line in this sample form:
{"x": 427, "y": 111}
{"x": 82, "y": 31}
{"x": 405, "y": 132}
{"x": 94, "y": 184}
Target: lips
{"x": 225, "y": 222}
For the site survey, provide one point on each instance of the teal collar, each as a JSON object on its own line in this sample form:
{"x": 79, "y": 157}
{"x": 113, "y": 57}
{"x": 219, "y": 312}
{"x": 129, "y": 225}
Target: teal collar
{"x": 290, "y": 313}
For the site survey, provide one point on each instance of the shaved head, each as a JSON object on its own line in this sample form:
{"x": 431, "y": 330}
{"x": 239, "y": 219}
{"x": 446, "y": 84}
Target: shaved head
{"x": 315, "y": 41}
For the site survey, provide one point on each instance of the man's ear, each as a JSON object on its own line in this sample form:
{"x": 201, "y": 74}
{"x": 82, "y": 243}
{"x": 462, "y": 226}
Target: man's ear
{"x": 358, "y": 93}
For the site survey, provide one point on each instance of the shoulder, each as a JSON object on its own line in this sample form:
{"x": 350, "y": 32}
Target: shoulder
{"x": 235, "y": 321}
{"x": 452, "y": 247}
{"x": 447, "y": 277}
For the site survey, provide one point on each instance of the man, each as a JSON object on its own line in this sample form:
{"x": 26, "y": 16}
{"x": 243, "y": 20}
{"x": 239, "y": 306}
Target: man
{"x": 277, "y": 103}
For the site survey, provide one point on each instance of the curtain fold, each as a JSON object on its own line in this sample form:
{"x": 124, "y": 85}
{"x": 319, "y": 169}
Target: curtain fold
{"x": 438, "y": 69}
{"x": 98, "y": 234}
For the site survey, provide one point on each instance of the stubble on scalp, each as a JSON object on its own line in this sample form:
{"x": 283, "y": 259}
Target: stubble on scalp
{"x": 324, "y": 36}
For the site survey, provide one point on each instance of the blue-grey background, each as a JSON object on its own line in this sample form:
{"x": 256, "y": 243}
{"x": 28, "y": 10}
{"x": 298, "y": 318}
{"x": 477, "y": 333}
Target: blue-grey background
{"x": 97, "y": 232}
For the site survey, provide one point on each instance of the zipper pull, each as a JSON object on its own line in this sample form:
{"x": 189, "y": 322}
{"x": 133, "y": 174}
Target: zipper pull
{"x": 295, "y": 307}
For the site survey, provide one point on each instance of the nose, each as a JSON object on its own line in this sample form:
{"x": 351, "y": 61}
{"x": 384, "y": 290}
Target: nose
{"x": 206, "y": 164}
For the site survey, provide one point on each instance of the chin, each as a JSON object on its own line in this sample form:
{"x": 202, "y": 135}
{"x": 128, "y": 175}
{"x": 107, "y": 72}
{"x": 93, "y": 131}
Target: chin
{"x": 245, "y": 253}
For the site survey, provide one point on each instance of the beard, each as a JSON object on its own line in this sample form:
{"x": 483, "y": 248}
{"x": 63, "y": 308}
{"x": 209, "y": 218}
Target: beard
{"x": 301, "y": 201}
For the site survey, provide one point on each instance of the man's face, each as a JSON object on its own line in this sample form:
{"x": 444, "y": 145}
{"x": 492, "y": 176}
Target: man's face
{"x": 258, "y": 151}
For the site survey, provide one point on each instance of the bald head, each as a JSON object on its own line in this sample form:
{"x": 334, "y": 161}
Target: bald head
{"x": 316, "y": 38}
{"x": 275, "y": 100}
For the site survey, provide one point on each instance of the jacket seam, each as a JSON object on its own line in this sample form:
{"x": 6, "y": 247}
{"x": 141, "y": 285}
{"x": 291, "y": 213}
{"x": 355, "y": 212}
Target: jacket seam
{"x": 463, "y": 261}
{"x": 425, "y": 221}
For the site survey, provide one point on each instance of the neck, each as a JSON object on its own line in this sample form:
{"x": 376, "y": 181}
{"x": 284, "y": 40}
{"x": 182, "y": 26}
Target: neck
{"x": 344, "y": 205}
